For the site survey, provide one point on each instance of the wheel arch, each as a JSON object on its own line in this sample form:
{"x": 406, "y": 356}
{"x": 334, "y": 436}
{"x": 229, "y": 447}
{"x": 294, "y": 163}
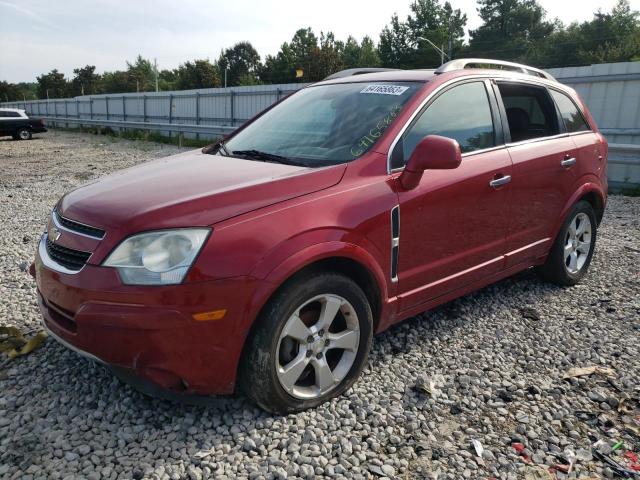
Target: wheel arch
{"x": 591, "y": 192}
{"x": 335, "y": 257}
{"x": 596, "y": 201}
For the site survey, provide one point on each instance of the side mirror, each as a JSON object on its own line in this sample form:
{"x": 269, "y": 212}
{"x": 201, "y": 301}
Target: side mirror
{"x": 432, "y": 153}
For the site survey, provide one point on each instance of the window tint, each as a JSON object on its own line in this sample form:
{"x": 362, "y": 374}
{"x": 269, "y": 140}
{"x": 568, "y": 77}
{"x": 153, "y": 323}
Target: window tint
{"x": 462, "y": 113}
{"x": 530, "y": 111}
{"x": 573, "y": 119}
{"x": 8, "y": 113}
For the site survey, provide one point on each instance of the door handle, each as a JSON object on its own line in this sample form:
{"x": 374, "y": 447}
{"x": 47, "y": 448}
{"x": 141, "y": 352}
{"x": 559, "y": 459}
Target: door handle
{"x": 497, "y": 182}
{"x": 567, "y": 162}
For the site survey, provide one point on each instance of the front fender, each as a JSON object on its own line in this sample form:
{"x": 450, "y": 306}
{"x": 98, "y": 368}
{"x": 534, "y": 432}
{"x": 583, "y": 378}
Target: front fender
{"x": 281, "y": 264}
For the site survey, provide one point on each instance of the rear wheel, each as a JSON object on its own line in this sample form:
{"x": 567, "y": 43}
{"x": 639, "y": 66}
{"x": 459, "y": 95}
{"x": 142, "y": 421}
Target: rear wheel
{"x": 310, "y": 344}
{"x": 571, "y": 253}
{"x": 23, "y": 134}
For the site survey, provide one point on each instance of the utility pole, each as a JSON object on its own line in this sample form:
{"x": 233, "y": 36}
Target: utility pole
{"x": 226, "y": 67}
{"x": 155, "y": 70}
{"x": 450, "y": 40}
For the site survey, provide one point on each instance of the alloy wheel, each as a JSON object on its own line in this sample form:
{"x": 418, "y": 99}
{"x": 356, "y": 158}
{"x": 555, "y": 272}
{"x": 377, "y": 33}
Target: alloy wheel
{"x": 23, "y": 134}
{"x": 577, "y": 243}
{"x": 317, "y": 346}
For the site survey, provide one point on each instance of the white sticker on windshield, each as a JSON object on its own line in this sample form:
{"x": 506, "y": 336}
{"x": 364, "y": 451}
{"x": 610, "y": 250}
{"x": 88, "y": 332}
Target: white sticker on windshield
{"x": 385, "y": 89}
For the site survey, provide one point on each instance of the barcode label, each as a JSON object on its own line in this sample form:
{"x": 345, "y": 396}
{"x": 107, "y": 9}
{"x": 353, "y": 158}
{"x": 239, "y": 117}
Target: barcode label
{"x": 385, "y": 89}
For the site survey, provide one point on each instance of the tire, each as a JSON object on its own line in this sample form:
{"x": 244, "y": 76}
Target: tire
{"x": 270, "y": 348}
{"x": 23, "y": 134}
{"x": 570, "y": 256}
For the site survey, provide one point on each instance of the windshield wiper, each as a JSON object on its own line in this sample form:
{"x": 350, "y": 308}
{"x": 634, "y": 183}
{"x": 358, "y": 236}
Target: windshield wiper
{"x": 267, "y": 157}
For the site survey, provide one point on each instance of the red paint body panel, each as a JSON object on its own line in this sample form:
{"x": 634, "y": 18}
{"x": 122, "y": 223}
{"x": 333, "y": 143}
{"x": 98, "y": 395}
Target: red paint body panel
{"x": 269, "y": 221}
{"x": 450, "y": 224}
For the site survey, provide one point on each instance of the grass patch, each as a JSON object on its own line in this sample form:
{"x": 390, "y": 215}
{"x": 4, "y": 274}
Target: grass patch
{"x": 143, "y": 136}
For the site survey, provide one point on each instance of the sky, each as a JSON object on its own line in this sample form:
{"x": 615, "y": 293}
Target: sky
{"x": 37, "y": 36}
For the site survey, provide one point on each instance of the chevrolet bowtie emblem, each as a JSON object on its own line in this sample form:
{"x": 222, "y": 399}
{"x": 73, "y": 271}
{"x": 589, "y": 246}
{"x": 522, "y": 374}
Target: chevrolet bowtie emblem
{"x": 54, "y": 234}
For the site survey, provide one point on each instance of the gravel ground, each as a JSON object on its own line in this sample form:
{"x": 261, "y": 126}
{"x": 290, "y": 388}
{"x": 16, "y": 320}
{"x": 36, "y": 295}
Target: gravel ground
{"x": 492, "y": 361}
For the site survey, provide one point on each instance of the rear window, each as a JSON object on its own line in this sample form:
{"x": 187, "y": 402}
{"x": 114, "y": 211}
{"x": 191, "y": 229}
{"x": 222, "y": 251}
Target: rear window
{"x": 573, "y": 119}
{"x": 530, "y": 111}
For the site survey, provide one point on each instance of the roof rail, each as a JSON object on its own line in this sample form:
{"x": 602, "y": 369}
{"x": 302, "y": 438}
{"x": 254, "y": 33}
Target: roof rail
{"x": 349, "y": 72}
{"x": 462, "y": 63}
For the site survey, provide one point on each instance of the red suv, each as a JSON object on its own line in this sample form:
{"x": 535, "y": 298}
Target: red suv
{"x": 267, "y": 261}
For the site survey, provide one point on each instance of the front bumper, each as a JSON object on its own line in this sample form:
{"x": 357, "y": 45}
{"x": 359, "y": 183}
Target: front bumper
{"x": 145, "y": 331}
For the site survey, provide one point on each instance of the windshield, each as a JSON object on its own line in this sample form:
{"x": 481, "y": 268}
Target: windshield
{"x": 323, "y": 125}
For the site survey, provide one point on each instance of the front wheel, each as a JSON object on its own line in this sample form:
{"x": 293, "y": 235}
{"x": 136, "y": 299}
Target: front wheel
{"x": 23, "y": 134}
{"x": 571, "y": 253}
{"x": 310, "y": 344}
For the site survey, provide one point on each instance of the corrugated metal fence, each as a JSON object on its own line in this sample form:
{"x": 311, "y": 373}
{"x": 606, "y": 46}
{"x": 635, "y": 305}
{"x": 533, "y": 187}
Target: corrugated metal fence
{"x": 611, "y": 90}
{"x": 612, "y": 93}
{"x": 208, "y": 112}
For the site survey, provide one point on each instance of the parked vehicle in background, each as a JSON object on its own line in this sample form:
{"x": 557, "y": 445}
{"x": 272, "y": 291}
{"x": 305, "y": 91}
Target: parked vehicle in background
{"x": 266, "y": 262}
{"x": 16, "y": 123}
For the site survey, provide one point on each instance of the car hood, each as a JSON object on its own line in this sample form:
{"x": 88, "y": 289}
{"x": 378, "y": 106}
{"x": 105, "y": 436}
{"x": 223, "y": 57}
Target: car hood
{"x": 189, "y": 189}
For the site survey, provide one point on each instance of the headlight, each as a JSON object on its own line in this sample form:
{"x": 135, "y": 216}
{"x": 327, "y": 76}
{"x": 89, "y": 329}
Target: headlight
{"x": 157, "y": 258}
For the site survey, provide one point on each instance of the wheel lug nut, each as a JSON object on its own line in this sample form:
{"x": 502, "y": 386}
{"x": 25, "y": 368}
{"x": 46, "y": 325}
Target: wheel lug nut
{"x": 326, "y": 343}
{"x": 319, "y": 356}
{"x": 309, "y": 353}
{"x": 310, "y": 339}
{"x": 321, "y": 332}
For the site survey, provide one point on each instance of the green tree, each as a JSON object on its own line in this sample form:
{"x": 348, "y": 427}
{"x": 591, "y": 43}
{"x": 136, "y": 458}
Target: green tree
{"x": 168, "y": 79}
{"x": 402, "y": 44}
{"x": 52, "y": 85}
{"x": 368, "y": 53}
{"x": 117, "y": 82}
{"x": 242, "y": 63}
{"x": 304, "y": 46}
{"x": 279, "y": 68}
{"x": 141, "y": 75}
{"x": 511, "y": 29}
{"x": 396, "y": 46}
{"x": 197, "y": 74}
{"x": 85, "y": 81}
{"x": 607, "y": 37}
{"x": 9, "y": 92}
{"x": 327, "y": 58}
{"x": 356, "y": 55}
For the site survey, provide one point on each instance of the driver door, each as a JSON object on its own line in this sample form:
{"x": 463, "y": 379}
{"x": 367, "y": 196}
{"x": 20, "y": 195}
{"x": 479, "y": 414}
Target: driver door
{"x": 453, "y": 225}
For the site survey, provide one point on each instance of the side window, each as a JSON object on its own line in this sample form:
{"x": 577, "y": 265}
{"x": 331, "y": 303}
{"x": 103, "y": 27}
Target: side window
{"x": 530, "y": 111}
{"x": 14, "y": 114}
{"x": 462, "y": 113}
{"x": 573, "y": 119}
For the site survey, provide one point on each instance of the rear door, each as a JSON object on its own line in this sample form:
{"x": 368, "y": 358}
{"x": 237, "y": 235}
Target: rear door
{"x": 453, "y": 224}
{"x": 589, "y": 154}
{"x": 544, "y": 158}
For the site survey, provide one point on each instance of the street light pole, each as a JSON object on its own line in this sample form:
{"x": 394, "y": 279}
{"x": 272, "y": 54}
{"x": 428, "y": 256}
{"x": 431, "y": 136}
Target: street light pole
{"x": 438, "y": 49}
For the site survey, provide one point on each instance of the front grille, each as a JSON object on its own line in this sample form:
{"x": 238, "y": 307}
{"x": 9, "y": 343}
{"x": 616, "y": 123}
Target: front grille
{"x": 78, "y": 227}
{"x": 67, "y": 257}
